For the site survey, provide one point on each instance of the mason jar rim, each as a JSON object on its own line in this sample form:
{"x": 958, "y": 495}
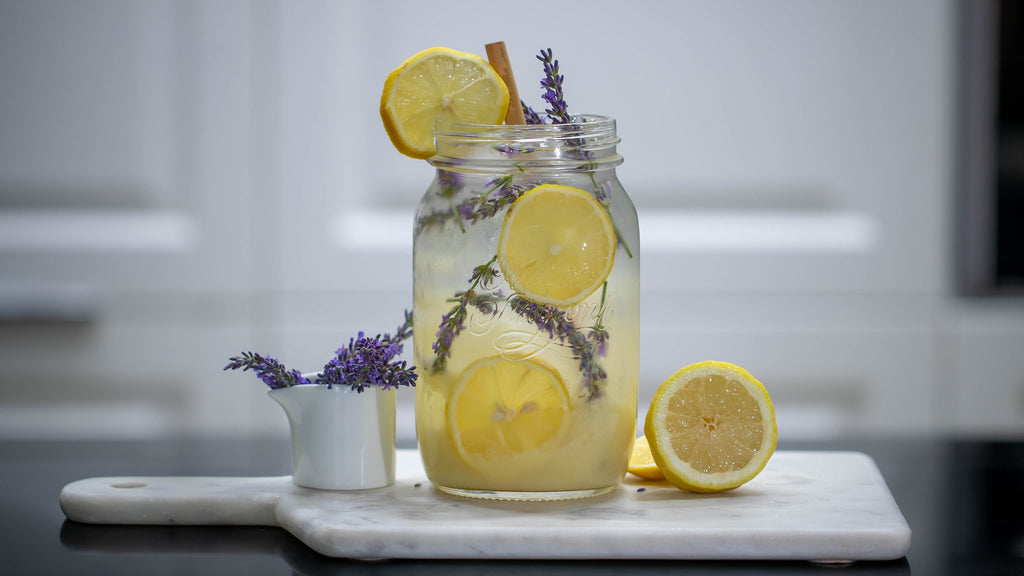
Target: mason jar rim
{"x": 592, "y": 122}
{"x": 590, "y": 140}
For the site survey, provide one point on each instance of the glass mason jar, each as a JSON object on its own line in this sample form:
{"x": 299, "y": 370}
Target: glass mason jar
{"x": 526, "y": 312}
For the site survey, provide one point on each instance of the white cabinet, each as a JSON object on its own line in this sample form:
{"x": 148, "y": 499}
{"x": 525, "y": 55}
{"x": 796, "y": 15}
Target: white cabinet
{"x": 181, "y": 181}
{"x": 126, "y": 206}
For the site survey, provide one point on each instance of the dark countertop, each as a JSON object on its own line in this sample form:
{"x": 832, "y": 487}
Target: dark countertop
{"x": 958, "y": 495}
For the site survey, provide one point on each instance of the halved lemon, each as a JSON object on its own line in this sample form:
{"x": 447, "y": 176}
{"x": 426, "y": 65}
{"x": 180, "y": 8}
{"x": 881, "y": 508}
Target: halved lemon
{"x": 507, "y": 416}
{"x": 439, "y": 83}
{"x": 711, "y": 427}
{"x": 557, "y": 245}
{"x": 641, "y": 461}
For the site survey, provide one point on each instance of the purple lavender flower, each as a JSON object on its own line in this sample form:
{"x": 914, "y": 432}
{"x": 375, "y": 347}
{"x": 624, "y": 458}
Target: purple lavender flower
{"x": 366, "y": 362}
{"x": 501, "y": 193}
{"x": 586, "y": 346}
{"x": 553, "y": 321}
{"x": 599, "y": 336}
{"x": 454, "y": 321}
{"x": 530, "y": 114}
{"x": 603, "y": 193}
{"x": 465, "y": 211}
{"x": 496, "y": 195}
{"x": 272, "y": 372}
{"x": 363, "y": 363}
{"x": 452, "y": 324}
{"x": 599, "y": 333}
{"x": 552, "y": 83}
{"x": 449, "y": 181}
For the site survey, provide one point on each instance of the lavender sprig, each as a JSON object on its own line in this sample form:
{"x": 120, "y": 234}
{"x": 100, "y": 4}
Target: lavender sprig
{"x": 552, "y": 320}
{"x": 272, "y": 372}
{"x": 404, "y": 330}
{"x": 453, "y": 322}
{"x": 365, "y": 362}
{"x": 368, "y": 362}
{"x": 586, "y": 346}
{"x": 552, "y": 83}
{"x": 530, "y": 114}
{"x": 450, "y": 182}
{"x": 498, "y": 194}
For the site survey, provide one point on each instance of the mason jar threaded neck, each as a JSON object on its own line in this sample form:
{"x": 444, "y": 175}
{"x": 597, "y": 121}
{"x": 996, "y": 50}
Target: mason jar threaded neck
{"x": 587, "y": 143}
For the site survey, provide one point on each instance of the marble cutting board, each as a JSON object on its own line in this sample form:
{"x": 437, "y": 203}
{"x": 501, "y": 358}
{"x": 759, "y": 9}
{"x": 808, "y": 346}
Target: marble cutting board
{"x": 822, "y": 506}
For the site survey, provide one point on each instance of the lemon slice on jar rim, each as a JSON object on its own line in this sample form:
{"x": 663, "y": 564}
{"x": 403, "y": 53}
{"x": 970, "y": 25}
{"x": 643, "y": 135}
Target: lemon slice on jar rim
{"x": 439, "y": 83}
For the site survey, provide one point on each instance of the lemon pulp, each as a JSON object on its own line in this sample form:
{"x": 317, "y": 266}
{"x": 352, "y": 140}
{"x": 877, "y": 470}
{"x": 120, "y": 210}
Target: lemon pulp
{"x": 557, "y": 245}
{"x": 503, "y": 412}
{"x": 711, "y": 427}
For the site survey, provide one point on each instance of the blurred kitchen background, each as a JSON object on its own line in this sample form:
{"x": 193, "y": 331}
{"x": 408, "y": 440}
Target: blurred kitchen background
{"x": 829, "y": 195}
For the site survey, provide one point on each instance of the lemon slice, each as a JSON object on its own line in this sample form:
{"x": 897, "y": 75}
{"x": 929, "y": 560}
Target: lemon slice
{"x": 557, "y": 245}
{"x": 507, "y": 416}
{"x": 439, "y": 83}
{"x": 641, "y": 461}
{"x": 711, "y": 427}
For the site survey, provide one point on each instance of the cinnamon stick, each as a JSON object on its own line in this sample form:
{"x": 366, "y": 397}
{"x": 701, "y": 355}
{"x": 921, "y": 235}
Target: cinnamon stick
{"x": 498, "y": 57}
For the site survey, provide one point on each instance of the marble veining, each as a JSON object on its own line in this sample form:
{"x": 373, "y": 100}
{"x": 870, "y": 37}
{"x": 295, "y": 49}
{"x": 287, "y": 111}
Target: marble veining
{"x": 804, "y": 505}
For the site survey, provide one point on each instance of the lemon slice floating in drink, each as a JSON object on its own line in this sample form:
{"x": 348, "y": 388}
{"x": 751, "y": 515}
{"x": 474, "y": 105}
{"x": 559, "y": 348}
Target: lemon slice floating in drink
{"x": 711, "y": 427}
{"x": 557, "y": 245}
{"x": 439, "y": 83}
{"x": 502, "y": 413}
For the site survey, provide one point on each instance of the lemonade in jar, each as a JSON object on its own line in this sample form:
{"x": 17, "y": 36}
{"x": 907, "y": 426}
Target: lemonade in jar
{"x": 526, "y": 311}
{"x": 525, "y": 285}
